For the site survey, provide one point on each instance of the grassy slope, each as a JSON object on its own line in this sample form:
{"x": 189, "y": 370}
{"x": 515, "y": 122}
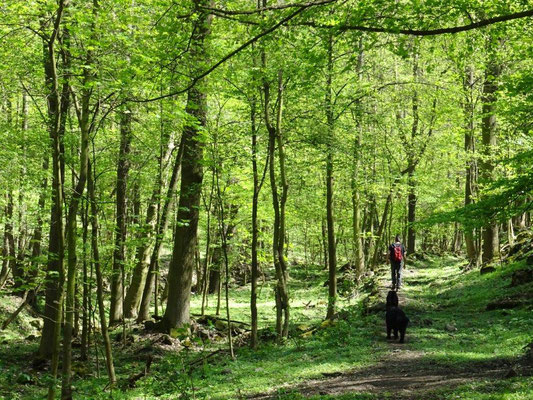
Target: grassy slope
{"x": 439, "y": 292}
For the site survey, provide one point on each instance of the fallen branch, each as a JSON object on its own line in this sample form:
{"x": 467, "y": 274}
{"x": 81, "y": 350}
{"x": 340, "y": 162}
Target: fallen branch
{"x": 25, "y": 299}
{"x": 202, "y": 359}
{"x": 132, "y": 381}
{"x": 220, "y": 319}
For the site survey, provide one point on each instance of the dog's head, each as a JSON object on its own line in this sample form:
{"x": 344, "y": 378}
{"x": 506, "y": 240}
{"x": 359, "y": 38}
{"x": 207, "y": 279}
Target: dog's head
{"x": 392, "y": 299}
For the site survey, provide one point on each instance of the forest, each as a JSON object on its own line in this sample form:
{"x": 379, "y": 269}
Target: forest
{"x": 198, "y": 199}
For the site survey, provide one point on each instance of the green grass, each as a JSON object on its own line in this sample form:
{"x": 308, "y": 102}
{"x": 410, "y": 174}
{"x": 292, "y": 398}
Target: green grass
{"x": 439, "y": 292}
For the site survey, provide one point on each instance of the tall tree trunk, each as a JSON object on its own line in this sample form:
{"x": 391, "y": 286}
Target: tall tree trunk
{"x": 258, "y": 183}
{"x": 99, "y": 278}
{"x": 164, "y": 217}
{"x": 278, "y": 201}
{"x": 49, "y": 345}
{"x": 182, "y": 264}
{"x": 22, "y": 223}
{"x": 86, "y": 288}
{"x": 9, "y": 250}
{"x": 83, "y": 112}
{"x": 411, "y": 181}
{"x": 489, "y": 138}
{"x": 332, "y": 246}
{"x": 358, "y": 254}
{"x": 119, "y": 256}
{"x": 470, "y": 150}
{"x": 138, "y": 280}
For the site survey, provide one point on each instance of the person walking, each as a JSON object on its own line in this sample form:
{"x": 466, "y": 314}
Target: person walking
{"x": 397, "y": 259}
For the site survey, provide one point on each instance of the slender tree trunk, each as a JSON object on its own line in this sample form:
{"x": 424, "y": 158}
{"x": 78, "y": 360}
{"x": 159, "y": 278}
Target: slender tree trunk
{"x": 411, "y": 181}
{"x": 470, "y": 150}
{"x": 119, "y": 256}
{"x": 145, "y": 250}
{"x": 22, "y": 223}
{"x": 51, "y": 333}
{"x": 278, "y": 201}
{"x": 358, "y": 254}
{"x": 37, "y": 236}
{"x": 99, "y": 279}
{"x": 255, "y": 229}
{"x": 83, "y": 111}
{"x": 323, "y": 242}
{"x": 224, "y": 239}
{"x": 49, "y": 345}
{"x": 332, "y": 246}
{"x": 9, "y": 250}
{"x": 86, "y": 289}
{"x": 490, "y": 237}
{"x": 381, "y": 229}
{"x": 164, "y": 217}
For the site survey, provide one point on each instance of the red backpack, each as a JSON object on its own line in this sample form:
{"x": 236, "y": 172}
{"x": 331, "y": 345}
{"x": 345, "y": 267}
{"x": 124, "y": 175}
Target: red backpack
{"x": 397, "y": 256}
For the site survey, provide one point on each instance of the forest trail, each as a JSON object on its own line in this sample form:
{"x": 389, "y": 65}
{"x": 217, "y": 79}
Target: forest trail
{"x": 405, "y": 371}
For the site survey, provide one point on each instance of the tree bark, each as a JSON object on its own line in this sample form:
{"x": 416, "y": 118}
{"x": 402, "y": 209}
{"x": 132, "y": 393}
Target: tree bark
{"x": 99, "y": 278}
{"x": 182, "y": 264}
{"x": 489, "y": 138}
{"x": 278, "y": 202}
{"x": 138, "y": 280}
{"x": 471, "y": 165}
{"x": 49, "y": 345}
{"x": 258, "y": 183}
{"x": 9, "y": 240}
{"x": 332, "y": 246}
{"x": 411, "y": 181}
{"x": 83, "y": 112}
{"x": 119, "y": 256}
{"x": 358, "y": 254}
{"x": 164, "y": 217}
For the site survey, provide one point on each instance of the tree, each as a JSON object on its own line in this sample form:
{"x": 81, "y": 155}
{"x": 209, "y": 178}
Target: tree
{"x": 182, "y": 264}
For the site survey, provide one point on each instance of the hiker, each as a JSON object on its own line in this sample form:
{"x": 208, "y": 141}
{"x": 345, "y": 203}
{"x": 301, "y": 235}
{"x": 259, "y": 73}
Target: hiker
{"x": 396, "y": 258}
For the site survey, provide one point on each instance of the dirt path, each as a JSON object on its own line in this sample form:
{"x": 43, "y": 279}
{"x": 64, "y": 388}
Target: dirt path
{"x": 403, "y": 372}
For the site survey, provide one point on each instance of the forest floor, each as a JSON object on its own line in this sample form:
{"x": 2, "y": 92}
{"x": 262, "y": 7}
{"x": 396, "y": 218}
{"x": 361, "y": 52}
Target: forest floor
{"x": 455, "y": 348}
{"x": 442, "y": 309}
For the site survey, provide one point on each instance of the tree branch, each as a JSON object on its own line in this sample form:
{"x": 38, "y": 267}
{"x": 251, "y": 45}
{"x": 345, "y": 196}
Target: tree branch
{"x": 428, "y": 32}
{"x": 263, "y": 9}
{"x": 243, "y": 46}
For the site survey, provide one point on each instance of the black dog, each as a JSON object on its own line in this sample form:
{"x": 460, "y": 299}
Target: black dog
{"x": 395, "y": 317}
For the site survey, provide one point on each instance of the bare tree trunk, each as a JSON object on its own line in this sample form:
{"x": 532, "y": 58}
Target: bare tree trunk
{"x": 258, "y": 183}
{"x": 411, "y": 181}
{"x": 22, "y": 223}
{"x": 99, "y": 279}
{"x": 182, "y": 264}
{"x": 9, "y": 249}
{"x": 358, "y": 254}
{"x": 51, "y": 333}
{"x": 205, "y": 274}
{"x": 85, "y": 324}
{"x": 49, "y": 345}
{"x": 83, "y": 112}
{"x": 470, "y": 150}
{"x": 223, "y": 237}
{"x": 278, "y": 201}
{"x": 490, "y": 235}
{"x": 164, "y": 217}
{"x": 332, "y": 246}
{"x": 138, "y": 281}
{"x": 119, "y": 256}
